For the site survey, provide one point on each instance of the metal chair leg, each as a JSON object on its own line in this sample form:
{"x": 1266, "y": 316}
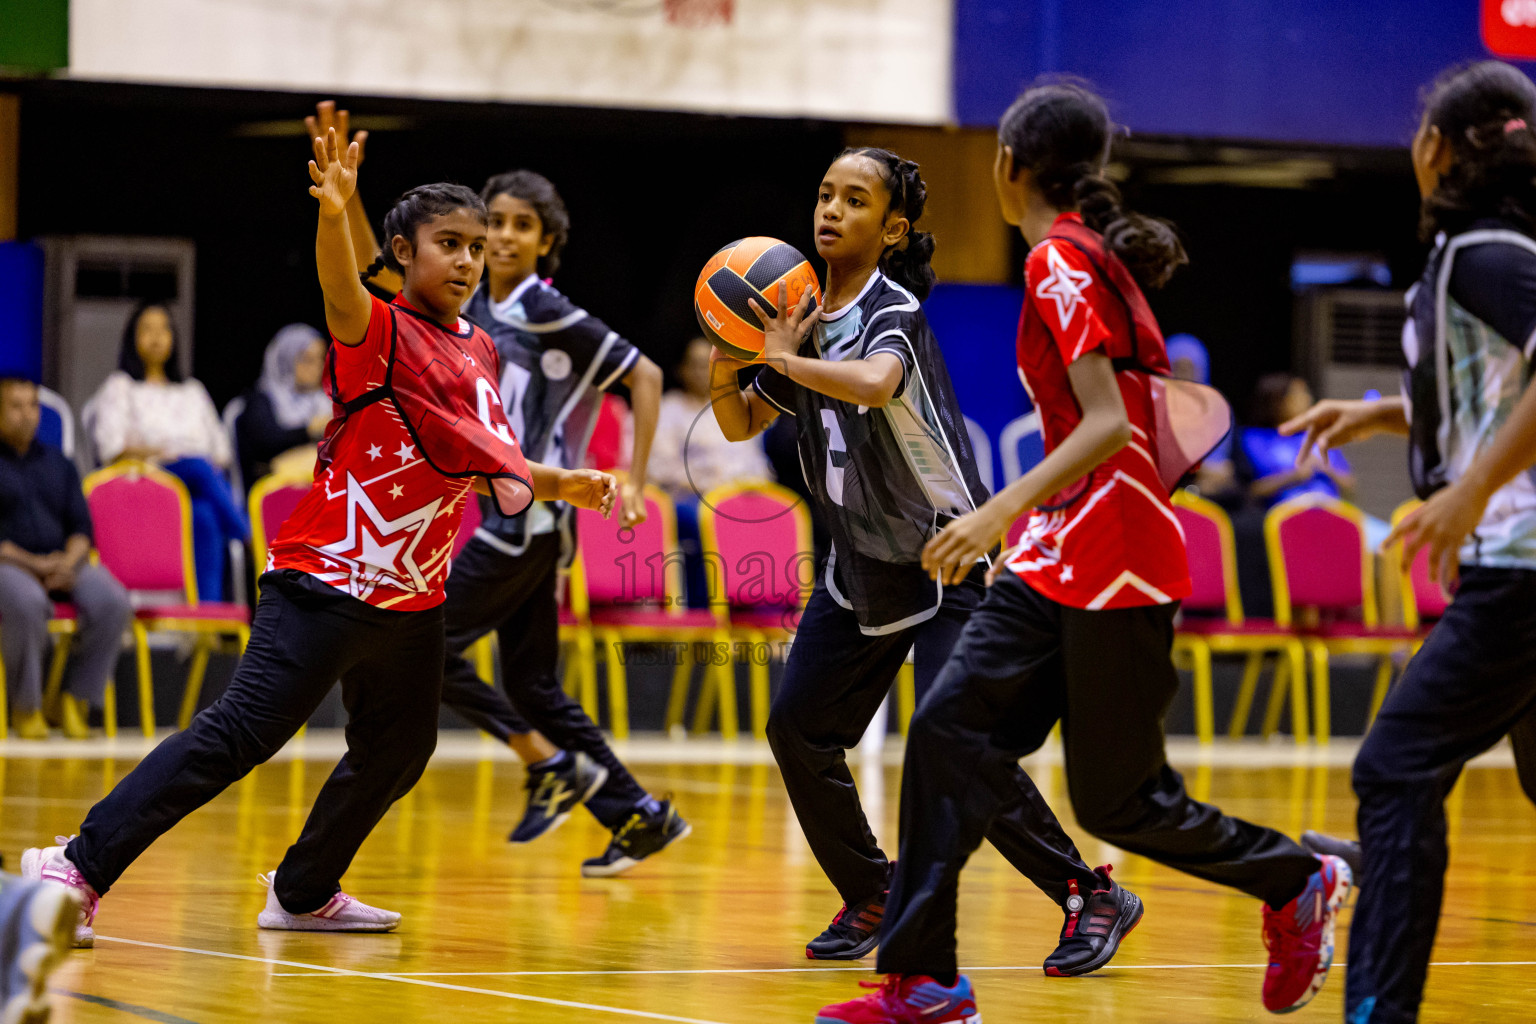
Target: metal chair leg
{"x": 677, "y": 700}
{"x": 146, "y": 680}
{"x": 757, "y": 644}
{"x": 1244, "y": 705}
{"x": 1321, "y": 712}
{"x": 1379, "y": 692}
{"x": 1205, "y": 714}
{"x": 1282, "y": 685}
{"x": 194, "y": 688}
{"x": 618, "y": 686}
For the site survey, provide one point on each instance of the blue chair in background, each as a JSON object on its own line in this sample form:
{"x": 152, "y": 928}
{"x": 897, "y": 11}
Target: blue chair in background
{"x": 57, "y": 424}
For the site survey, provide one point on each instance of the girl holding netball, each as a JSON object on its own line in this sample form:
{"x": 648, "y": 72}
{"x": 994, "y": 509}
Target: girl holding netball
{"x": 1077, "y": 625}
{"x": 353, "y": 586}
{"x": 888, "y": 462}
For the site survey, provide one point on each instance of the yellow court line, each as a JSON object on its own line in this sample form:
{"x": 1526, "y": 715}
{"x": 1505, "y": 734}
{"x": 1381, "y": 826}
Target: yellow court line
{"x": 343, "y": 972}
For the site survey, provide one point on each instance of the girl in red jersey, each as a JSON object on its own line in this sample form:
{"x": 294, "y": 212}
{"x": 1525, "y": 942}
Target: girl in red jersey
{"x": 354, "y": 581}
{"x": 1077, "y": 628}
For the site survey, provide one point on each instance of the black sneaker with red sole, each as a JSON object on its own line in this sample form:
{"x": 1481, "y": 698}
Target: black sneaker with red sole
{"x": 853, "y": 934}
{"x": 1095, "y": 925}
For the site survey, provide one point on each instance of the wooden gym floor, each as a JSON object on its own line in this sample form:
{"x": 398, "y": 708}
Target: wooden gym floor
{"x": 711, "y": 931}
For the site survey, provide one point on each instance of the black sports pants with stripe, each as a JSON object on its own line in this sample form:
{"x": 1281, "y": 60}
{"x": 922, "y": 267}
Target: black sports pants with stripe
{"x": 1472, "y": 682}
{"x": 1022, "y": 663}
{"x": 834, "y": 682}
{"x": 515, "y": 596}
{"x": 304, "y": 636}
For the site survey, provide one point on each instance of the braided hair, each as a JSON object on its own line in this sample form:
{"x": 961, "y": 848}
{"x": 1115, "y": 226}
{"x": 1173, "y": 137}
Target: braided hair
{"x": 417, "y": 207}
{"x": 1487, "y": 113}
{"x": 910, "y": 261}
{"x": 540, "y": 193}
{"x": 1060, "y": 133}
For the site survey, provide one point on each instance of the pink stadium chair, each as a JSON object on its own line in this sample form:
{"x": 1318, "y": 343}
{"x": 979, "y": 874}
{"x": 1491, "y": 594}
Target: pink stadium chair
{"x": 143, "y": 521}
{"x": 272, "y": 501}
{"x": 1423, "y": 600}
{"x": 1320, "y": 565}
{"x": 1223, "y": 629}
{"x": 760, "y": 564}
{"x": 634, "y": 590}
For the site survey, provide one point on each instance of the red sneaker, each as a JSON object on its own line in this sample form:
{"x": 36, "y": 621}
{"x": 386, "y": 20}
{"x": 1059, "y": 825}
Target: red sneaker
{"x": 1299, "y": 937}
{"x": 907, "y": 999}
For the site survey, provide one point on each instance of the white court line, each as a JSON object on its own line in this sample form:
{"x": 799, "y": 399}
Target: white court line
{"x": 343, "y": 972}
{"x": 826, "y": 970}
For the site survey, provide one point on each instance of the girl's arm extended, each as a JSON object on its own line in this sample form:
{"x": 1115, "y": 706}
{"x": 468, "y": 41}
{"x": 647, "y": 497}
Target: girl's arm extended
{"x": 585, "y": 488}
{"x": 1104, "y": 430}
{"x": 347, "y": 303}
{"x": 868, "y": 382}
{"x": 741, "y": 414}
{"x": 1445, "y": 520}
{"x": 365, "y": 246}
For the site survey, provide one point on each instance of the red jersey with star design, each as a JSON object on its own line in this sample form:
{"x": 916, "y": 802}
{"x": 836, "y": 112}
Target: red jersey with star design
{"x": 1112, "y": 539}
{"x": 380, "y": 522}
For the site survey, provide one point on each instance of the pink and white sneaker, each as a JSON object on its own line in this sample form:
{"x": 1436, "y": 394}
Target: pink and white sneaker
{"x": 342, "y": 914}
{"x": 49, "y": 864}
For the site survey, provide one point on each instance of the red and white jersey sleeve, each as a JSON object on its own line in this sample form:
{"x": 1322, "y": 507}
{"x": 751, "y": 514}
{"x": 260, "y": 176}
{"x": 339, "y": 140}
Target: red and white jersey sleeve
{"x": 1111, "y": 540}
{"x": 379, "y": 522}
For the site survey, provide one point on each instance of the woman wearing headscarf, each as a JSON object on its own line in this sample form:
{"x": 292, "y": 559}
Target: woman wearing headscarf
{"x": 286, "y": 414}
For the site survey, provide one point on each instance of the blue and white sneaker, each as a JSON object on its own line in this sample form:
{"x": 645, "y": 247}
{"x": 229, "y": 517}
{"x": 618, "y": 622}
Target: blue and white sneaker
{"x": 37, "y": 931}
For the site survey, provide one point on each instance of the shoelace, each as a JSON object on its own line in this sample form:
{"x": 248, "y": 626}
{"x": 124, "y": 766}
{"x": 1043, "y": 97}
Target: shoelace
{"x": 1278, "y": 927}
{"x": 887, "y": 989}
{"x": 621, "y": 837}
{"x": 70, "y": 875}
{"x": 269, "y": 878}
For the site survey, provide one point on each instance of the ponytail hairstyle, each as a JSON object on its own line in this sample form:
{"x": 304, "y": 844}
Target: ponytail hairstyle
{"x": 1486, "y": 112}
{"x": 1060, "y": 133}
{"x": 540, "y": 193}
{"x": 417, "y": 207}
{"x": 910, "y": 261}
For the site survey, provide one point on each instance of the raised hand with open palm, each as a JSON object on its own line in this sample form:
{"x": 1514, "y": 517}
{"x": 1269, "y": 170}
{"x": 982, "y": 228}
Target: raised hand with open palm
{"x": 334, "y": 174}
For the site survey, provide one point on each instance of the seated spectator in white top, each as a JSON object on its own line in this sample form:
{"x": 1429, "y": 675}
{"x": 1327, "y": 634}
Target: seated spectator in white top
{"x": 286, "y": 415}
{"x": 146, "y": 411}
{"x": 45, "y": 538}
{"x": 691, "y": 456}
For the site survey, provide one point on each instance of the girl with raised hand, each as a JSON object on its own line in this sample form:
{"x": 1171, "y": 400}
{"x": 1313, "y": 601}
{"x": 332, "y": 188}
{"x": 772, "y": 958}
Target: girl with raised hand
{"x": 888, "y": 461}
{"x": 1078, "y": 623}
{"x": 353, "y": 587}
{"x": 556, "y": 362}
{"x": 1469, "y": 410}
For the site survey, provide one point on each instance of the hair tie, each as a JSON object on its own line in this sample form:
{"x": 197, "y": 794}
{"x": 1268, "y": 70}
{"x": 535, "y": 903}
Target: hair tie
{"x": 1514, "y": 124}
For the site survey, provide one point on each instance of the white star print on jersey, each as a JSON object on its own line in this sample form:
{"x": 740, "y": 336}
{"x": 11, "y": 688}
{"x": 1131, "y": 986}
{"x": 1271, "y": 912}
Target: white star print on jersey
{"x": 1064, "y": 286}
{"x": 376, "y": 549}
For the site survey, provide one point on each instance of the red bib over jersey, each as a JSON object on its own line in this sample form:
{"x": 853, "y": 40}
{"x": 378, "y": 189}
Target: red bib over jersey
{"x": 1111, "y": 540}
{"x": 418, "y": 416}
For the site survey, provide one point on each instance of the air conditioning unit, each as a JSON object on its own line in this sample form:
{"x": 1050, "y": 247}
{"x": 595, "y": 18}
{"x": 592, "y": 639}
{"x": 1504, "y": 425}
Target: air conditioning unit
{"x": 1348, "y": 343}
{"x": 91, "y": 285}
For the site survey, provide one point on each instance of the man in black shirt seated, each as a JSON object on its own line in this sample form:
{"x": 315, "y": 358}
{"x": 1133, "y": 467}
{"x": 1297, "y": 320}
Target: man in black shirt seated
{"x": 45, "y": 538}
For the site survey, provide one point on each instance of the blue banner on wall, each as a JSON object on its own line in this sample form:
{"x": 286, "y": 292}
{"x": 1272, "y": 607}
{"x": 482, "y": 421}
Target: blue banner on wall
{"x": 1344, "y": 72}
{"x": 21, "y": 310}
{"x": 977, "y": 326}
